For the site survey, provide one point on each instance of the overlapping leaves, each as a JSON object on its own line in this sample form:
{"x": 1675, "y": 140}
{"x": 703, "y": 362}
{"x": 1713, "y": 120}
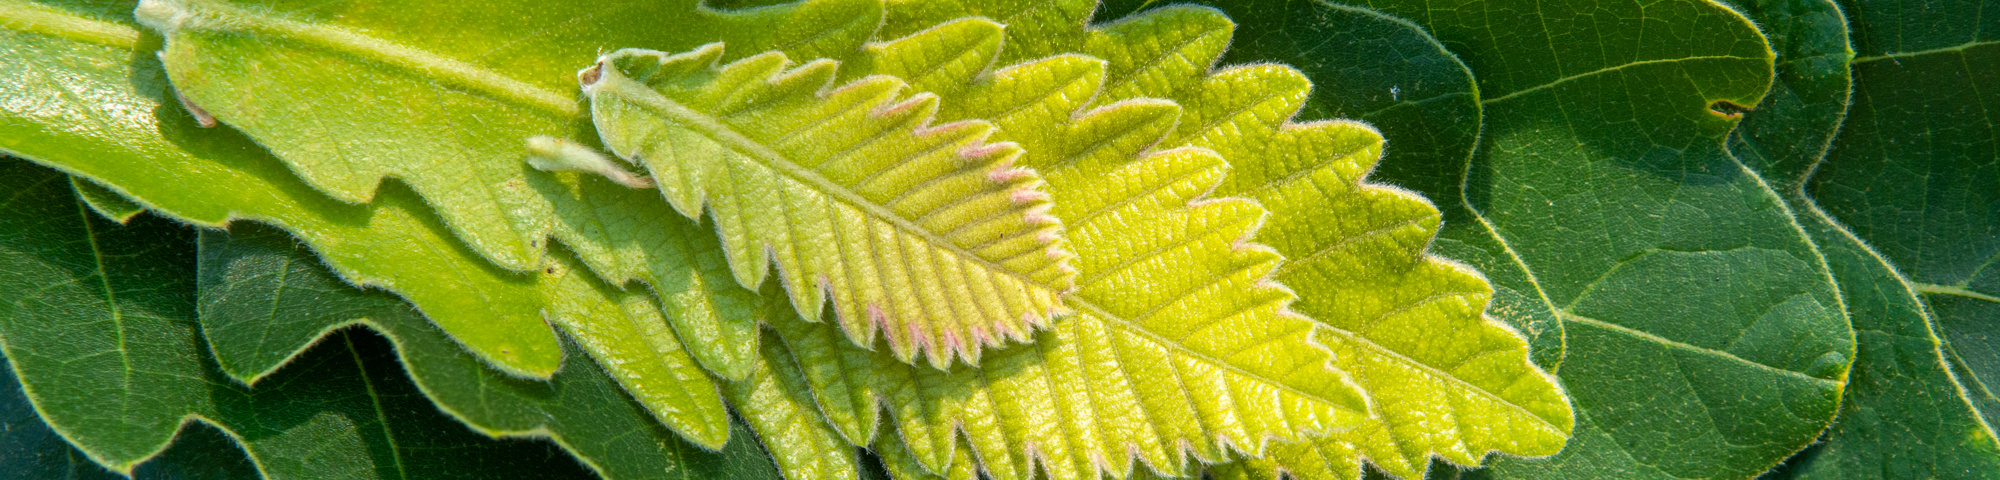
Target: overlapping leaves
{"x": 504, "y": 211}
{"x": 1665, "y": 208}
{"x": 923, "y": 232}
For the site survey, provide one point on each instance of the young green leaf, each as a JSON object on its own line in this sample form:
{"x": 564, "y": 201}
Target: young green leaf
{"x": 775, "y": 403}
{"x": 111, "y": 205}
{"x": 99, "y": 113}
{"x": 461, "y": 147}
{"x": 920, "y": 231}
{"x": 1409, "y": 326}
{"x": 264, "y": 298}
{"x": 212, "y": 177}
{"x": 99, "y": 327}
{"x": 1567, "y": 209}
{"x": 1180, "y": 351}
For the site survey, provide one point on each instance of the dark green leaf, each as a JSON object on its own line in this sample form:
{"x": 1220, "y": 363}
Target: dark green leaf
{"x": 1912, "y": 178}
{"x": 28, "y": 448}
{"x": 99, "y": 327}
{"x": 264, "y": 298}
{"x": 1694, "y": 324}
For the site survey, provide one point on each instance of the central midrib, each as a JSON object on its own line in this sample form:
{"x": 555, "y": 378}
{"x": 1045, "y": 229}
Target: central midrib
{"x": 714, "y": 129}
{"x": 415, "y": 61}
{"x": 41, "y": 20}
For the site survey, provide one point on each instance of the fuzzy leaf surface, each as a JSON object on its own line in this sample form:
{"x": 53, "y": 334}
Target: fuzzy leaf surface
{"x": 100, "y": 331}
{"x": 511, "y": 69}
{"x": 139, "y": 141}
{"x": 86, "y": 99}
{"x": 30, "y": 450}
{"x": 252, "y": 271}
{"x": 922, "y": 232}
{"x": 1908, "y": 148}
{"x": 1365, "y": 276}
{"x": 1674, "y": 210}
{"x": 1180, "y": 349}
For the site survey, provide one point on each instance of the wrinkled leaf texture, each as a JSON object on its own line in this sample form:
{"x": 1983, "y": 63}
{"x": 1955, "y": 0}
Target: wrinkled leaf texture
{"x": 1533, "y": 175}
{"x": 475, "y": 177}
{"x": 212, "y": 176}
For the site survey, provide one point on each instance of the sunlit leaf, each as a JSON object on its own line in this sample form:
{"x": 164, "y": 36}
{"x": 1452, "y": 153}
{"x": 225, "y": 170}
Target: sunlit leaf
{"x": 917, "y": 229}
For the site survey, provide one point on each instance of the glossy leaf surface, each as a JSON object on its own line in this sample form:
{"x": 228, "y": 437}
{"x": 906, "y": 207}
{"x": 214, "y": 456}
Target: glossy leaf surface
{"x": 90, "y": 102}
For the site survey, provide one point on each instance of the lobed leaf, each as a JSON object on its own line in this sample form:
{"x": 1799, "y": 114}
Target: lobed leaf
{"x": 252, "y": 273}
{"x": 89, "y": 108}
{"x": 1912, "y": 391}
{"x": 1179, "y": 351}
{"x": 99, "y": 329}
{"x": 212, "y": 177}
{"x": 475, "y": 177}
{"x": 1591, "y": 233}
{"x": 922, "y": 232}
{"x": 1407, "y": 325}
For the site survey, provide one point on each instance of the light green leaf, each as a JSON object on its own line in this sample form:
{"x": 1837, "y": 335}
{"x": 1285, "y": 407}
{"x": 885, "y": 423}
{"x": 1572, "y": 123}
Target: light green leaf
{"x": 919, "y": 230}
{"x": 155, "y": 154}
{"x": 1180, "y": 351}
{"x": 1913, "y": 409}
{"x": 1614, "y": 182}
{"x": 498, "y": 91}
{"x": 774, "y": 401}
{"x": 1364, "y": 276}
{"x": 1653, "y": 250}
{"x": 99, "y": 329}
{"x": 92, "y": 105}
{"x": 111, "y": 205}
{"x": 265, "y": 298}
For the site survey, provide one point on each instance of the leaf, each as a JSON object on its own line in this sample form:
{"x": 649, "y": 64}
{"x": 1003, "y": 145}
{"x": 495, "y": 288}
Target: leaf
{"x": 473, "y": 174}
{"x": 99, "y": 330}
{"x": 211, "y": 177}
{"x": 1912, "y": 409}
{"x": 29, "y": 450}
{"x": 110, "y": 204}
{"x": 1179, "y": 351}
{"x": 775, "y": 403}
{"x": 1167, "y": 53}
{"x": 253, "y": 272}
{"x": 1939, "y": 232}
{"x": 1444, "y": 380}
{"x": 920, "y": 230}
{"x": 90, "y": 108}
{"x": 1561, "y": 197}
